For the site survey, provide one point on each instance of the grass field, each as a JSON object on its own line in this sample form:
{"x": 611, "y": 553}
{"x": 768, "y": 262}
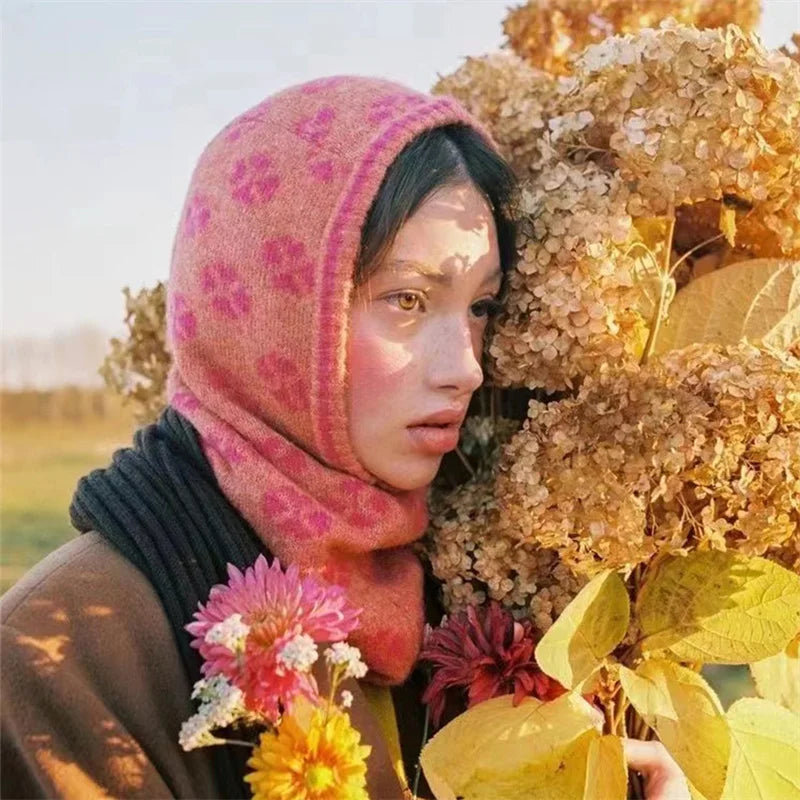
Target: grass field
{"x": 41, "y": 462}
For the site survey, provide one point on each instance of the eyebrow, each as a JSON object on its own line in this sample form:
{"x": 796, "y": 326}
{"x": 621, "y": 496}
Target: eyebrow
{"x": 435, "y": 275}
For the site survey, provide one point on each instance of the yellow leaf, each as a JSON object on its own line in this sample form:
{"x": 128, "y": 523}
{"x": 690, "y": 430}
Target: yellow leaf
{"x": 758, "y": 299}
{"x": 606, "y": 772}
{"x": 694, "y": 794}
{"x": 777, "y": 678}
{"x": 655, "y": 233}
{"x": 721, "y": 608}
{"x": 765, "y": 752}
{"x": 561, "y": 776}
{"x": 593, "y": 681}
{"x": 727, "y": 223}
{"x": 688, "y": 718}
{"x": 589, "y": 628}
{"x": 536, "y": 750}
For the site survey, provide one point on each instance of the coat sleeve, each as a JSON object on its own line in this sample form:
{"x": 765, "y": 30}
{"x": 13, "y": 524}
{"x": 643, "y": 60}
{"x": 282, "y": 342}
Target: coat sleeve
{"x": 93, "y": 689}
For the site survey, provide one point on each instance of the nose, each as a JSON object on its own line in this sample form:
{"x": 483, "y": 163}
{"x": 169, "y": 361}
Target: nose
{"x": 454, "y": 357}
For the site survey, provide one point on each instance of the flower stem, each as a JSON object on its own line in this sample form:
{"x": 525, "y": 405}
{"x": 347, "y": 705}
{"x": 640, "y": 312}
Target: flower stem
{"x": 619, "y": 717}
{"x": 608, "y": 708}
{"x": 418, "y": 770}
{"x": 693, "y": 250}
{"x": 666, "y": 275}
{"x": 334, "y": 677}
{"x": 637, "y": 789}
{"x": 465, "y": 462}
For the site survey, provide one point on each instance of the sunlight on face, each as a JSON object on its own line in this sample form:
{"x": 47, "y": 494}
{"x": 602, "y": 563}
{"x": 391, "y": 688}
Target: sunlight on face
{"x": 416, "y": 336}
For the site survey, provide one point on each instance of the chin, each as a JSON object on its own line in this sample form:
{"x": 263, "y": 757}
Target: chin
{"x": 412, "y": 476}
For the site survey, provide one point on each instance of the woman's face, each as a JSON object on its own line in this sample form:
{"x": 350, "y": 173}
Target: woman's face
{"x": 416, "y": 337}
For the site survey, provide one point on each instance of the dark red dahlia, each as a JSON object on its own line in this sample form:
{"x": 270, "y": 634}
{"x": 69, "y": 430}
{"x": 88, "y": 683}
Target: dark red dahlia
{"x": 488, "y": 653}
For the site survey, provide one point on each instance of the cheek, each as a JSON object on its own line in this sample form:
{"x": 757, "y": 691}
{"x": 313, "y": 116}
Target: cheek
{"x": 378, "y": 369}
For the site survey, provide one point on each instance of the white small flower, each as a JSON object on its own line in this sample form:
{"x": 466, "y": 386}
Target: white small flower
{"x": 209, "y": 689}
{"x": 222, "y": 703}
{"x": 347, "y": 698}
{"x": 226, "y": 707}
{"x": 341, "y": 653}
{"x": 230, "y": 633}
{"x": 196, "y": 732}
{"x": 200, "y": 689}
{"x": 299, "y": 653}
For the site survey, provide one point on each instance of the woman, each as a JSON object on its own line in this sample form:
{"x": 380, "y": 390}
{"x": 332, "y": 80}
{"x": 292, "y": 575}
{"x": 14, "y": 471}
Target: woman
{"x": 341, "y": 249}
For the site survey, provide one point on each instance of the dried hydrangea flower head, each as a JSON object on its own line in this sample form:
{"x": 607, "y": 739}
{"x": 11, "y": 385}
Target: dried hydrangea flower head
{"x": 549, "y": 33}
{"x": 474, "y": 562}
{"x": 512, "y": 98}
{"x": 136, "y": 367}
{"x": 676, "y": 123}
{"x": 572, "y": 301}
{"x": 692, "y": 115}
{"x": 699, "y": 448}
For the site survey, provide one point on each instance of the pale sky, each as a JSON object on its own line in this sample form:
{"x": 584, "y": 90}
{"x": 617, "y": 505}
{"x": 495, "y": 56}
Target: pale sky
{"x": 106, "y": 107}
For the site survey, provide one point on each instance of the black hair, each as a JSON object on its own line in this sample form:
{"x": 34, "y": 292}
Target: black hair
{"x": 448, "y": 155}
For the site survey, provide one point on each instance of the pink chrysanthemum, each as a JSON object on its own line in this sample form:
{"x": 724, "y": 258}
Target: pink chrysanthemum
{"x": 487, "y": 653}
{"x": 277, "y": 606}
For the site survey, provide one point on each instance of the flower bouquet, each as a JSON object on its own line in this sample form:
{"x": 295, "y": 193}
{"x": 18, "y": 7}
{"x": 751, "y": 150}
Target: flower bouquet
{"x": 629, "y": 487}
{"x": 258, "y": 636}
{"x": 624, "y": 507}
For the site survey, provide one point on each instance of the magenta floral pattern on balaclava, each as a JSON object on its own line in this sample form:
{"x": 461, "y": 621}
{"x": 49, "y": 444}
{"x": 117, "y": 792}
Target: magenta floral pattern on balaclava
{"x": 257, "y": 313}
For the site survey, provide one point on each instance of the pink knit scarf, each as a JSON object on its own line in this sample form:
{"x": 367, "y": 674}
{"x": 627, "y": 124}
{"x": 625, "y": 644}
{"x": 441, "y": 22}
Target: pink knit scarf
{"x": 258, "y": 300}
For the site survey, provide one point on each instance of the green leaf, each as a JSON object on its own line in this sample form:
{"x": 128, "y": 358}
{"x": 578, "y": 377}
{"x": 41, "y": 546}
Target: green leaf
{"x": 533, "y": 750}
{"x": 589, "y": 628}
{"x": 688, "y": 718}
{"x": 765, "y": 752}
{"x": 716, "y": 607}
{"x": 777, "y": 678}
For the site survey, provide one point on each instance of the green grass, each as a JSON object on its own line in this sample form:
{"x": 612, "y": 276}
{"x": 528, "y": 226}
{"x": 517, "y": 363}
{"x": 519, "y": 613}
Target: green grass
{"x": 41, "y": 463}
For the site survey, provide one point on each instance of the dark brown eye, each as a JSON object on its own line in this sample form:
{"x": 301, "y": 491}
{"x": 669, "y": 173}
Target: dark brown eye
{"x": 487, "y": 308}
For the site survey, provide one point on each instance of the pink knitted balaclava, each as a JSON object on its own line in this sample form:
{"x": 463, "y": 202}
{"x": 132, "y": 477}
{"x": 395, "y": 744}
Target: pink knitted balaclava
{"x": 258, "y": 300}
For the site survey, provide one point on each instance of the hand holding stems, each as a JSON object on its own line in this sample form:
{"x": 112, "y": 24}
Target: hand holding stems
{"x": 663, "y": 778}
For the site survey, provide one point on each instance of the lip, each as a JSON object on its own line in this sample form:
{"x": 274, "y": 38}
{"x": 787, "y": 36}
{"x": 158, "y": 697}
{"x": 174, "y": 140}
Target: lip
{"x": 433, "y": 439}
{"x": 438, "y": 433}
{"x": 447, "y": 416}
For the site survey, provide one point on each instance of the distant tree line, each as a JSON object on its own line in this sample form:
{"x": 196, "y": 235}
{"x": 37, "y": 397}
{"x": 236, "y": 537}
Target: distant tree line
{"x": 64, "y": 404}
